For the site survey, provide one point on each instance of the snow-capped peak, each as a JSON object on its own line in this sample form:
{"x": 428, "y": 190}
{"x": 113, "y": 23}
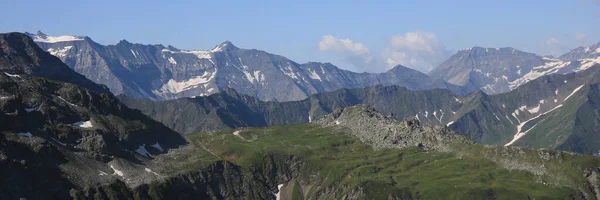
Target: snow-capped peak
{"x": 41, "y": 37}
{"x": 223, "y": 46}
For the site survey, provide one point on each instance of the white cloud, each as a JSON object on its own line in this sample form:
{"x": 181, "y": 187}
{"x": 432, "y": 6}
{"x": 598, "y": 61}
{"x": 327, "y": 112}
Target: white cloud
{"x": 553, "y": 46}
{"x": 418, "y": 50}
{"x": 342, "y": 46}
{"x": 356, "y": 53}
{"x": 422, "y": 50}
{"x": 581, "y": 36}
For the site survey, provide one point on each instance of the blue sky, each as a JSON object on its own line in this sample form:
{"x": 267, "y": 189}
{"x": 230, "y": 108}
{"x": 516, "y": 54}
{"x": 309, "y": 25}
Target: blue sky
{"x": 354, "y": 35}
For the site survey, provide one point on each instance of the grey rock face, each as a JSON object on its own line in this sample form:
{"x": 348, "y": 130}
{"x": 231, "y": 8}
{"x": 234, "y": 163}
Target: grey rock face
{"x": 380, "y": 131}
{"x": 499, "y": 70}
{"x": 159, "y": 73}
{"x": 579, "y": 53}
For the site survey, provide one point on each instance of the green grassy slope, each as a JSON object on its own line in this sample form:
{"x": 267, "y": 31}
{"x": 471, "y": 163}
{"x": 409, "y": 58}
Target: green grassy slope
{"x": 342, "y": 164}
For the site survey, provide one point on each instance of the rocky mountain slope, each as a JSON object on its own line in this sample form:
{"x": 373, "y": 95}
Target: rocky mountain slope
{"x": 579, "y": 53}
{"x": 526, "y": 116}
{"x": 499, "y": 70}
{"x": 60, "y": 140}
{"x": 157, "y": 72}
{"x": 357, "y": 153}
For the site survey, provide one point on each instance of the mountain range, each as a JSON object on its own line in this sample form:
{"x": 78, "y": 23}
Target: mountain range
{"x": 554, "y": 111}
{"x": 157, "y": 72}
{"x": 499, "y": 70}
{"x": 65, "y": 137}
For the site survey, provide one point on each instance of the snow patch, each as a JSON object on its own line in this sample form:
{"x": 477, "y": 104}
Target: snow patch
{"x": 457, "y": 100}
{"x": 587, "y": 63}
{"x": 450, "y": 123}
{"x": 158, "y": 147}
{"x": 277, "y": 195}
{"x": 12, "y": 75}
{"x": 29, "y": 110}
{"x": 142, "y": 151}
{"x": 102, "y": 173}
{"x": 86, "y": 124}
{"x": 61, "y": 53}
{"x": 236, "y": 133}
{"x": 173, "y": 86}
{"x": 55, "y": 39}
{"x": 172, "y": 61}
{"x": 337, "y": 122}
{"x": 314, "y": 75}
{"x": 289, "y": 72}
{"x": 117, "y": 172}
{"x": 27, "y": 135}
{"x": 534, "y": 110}
{"x": 552, "y": 66}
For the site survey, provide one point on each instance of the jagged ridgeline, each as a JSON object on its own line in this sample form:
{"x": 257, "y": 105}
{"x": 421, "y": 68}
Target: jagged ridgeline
{"x": 526, "y": 116}
{"x": 159, "y": 73}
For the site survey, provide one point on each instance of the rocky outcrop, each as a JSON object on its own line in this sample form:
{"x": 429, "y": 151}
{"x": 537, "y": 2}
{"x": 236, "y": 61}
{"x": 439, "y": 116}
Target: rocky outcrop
{"x": 380, "y": 131}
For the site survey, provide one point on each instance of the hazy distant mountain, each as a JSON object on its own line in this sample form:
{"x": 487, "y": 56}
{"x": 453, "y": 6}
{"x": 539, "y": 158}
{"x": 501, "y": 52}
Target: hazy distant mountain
{"x": 498, "y": 70}
{"x": 591, "y": 52}
{"x": 159, "y": 72}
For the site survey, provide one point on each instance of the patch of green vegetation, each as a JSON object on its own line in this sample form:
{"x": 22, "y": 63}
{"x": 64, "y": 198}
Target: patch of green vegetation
{"x": 346, "y": 165}
{"x": 297, "y": 192}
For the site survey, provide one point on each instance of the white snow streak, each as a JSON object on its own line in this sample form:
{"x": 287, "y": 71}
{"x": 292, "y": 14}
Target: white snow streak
{"x": 314, "y": 75}
{"x": 12, "y": 75}
{"x": 117, "y": 172}
{"x": 574, "y": 91}
{"x": 520, "y": 126}
{"x": 150, "y": 171}
{"x": 72, "y": 104}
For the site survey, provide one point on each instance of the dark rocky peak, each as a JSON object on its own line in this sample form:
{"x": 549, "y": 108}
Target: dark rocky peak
{"x": 23, "y": 56}
{"x": 172, "y": 48}
{"x": 40, "y": 34}
{"x": 124, "y": 42}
